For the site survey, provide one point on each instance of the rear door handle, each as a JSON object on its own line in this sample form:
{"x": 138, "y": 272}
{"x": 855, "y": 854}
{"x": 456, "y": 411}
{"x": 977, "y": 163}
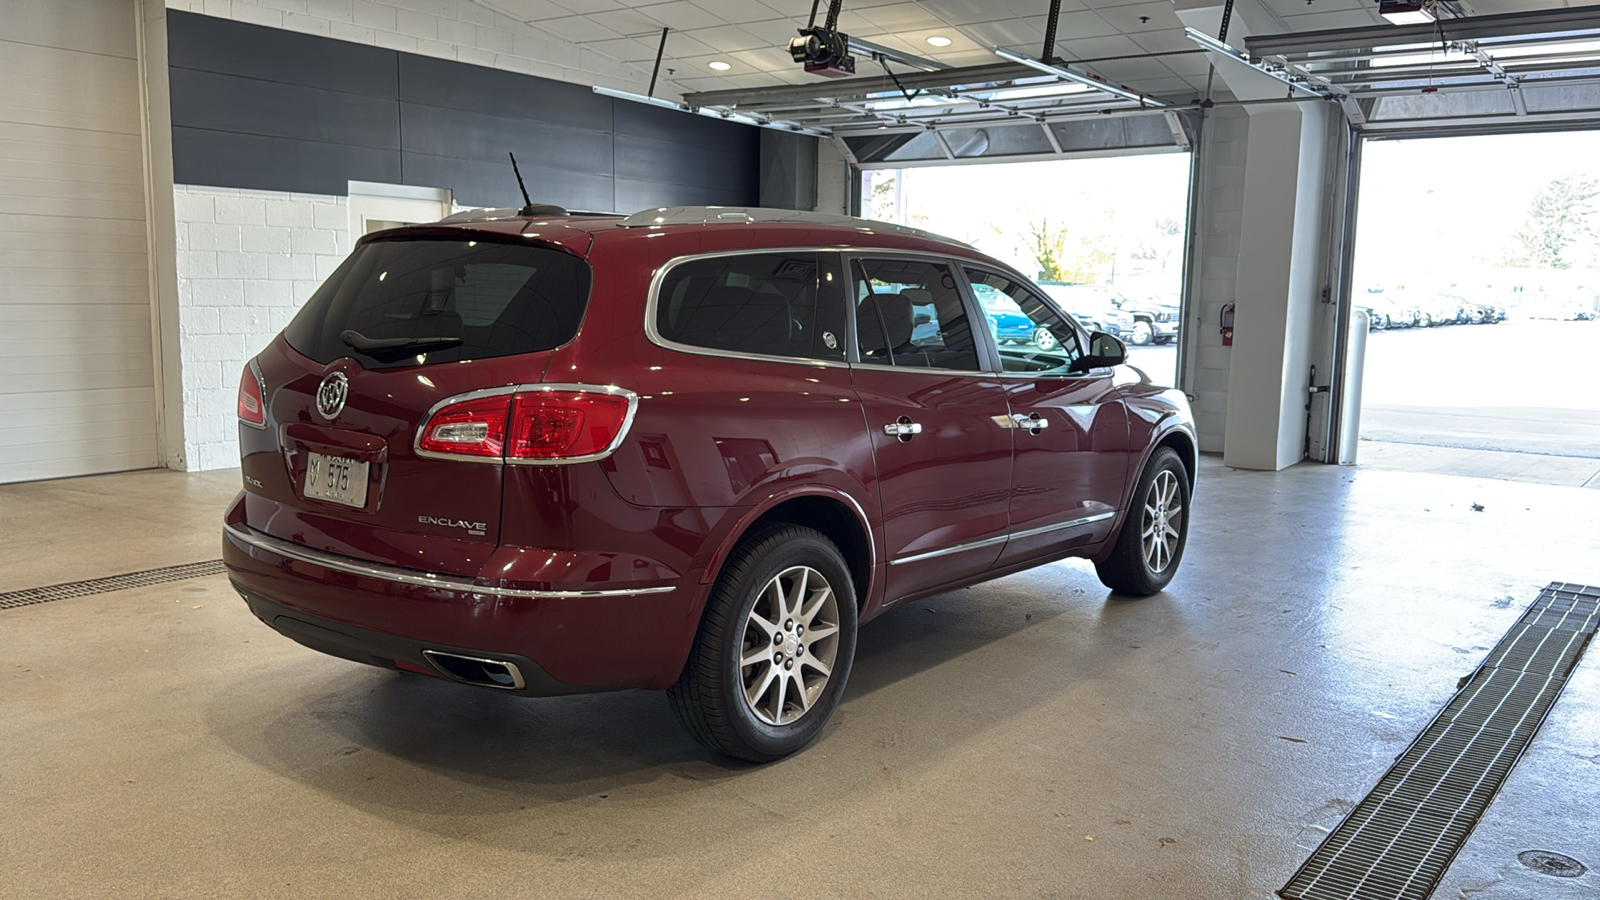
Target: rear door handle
{"x": 902, "y": 428}
{"x": 1032, "y": 422}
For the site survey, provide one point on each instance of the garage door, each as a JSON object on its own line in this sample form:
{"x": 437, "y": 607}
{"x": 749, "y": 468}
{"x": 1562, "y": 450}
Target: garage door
{"x": 77, "y": 391}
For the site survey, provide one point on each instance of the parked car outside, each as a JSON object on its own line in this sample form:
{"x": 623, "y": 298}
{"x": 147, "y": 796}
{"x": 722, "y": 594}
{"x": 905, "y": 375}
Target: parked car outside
{"x": 689, "y": 449}
{"x": 1007, "y": 320}
{"x": 1390, "y": 310}
{"x": 1093, "y": 303}
{"x": 1155, "y": 317}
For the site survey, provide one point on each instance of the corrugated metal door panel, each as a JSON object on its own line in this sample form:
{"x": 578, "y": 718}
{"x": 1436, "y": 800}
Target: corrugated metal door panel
{"x": 77, "y": 384}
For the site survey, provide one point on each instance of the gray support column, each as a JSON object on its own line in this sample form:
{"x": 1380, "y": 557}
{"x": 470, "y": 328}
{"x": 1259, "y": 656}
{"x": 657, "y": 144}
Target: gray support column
{"x": 160, "y": 220}
{"x": 788, "y": 170}
{"x": 1278, "y": 285}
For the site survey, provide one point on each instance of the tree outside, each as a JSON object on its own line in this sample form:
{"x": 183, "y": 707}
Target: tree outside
{"x": 1558, "y": 222}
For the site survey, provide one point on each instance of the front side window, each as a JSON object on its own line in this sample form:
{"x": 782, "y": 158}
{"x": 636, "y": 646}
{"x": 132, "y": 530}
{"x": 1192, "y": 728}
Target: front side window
{"x": 762, "y": 303}
{"x": 909, "y": 313}
{"x": 1031, "y": 335}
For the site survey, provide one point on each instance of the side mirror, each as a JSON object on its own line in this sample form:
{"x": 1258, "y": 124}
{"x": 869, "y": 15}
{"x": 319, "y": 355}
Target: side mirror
{"x": 921, "y": 319}
{"x": 1104, "y": 351}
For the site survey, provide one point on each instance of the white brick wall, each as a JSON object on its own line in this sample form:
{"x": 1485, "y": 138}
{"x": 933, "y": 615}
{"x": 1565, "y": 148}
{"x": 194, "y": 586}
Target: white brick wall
{"x": 247, "y": 260}
{"x": 461, "y": 30}
{"x": 1222, "y": 201}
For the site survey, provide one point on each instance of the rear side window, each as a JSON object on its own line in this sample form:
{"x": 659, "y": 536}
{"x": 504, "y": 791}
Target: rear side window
{"x": 403, "y": 302}
{"x": 770, "y": 304}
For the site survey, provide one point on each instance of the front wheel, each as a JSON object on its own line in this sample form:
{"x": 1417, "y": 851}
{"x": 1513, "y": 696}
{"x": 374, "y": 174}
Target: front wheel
{"x": 1044, "y": 338}
{"x": 1142, "y": 333}
{"x": 774, "y": 649}
{"x": 1150, "y": 544}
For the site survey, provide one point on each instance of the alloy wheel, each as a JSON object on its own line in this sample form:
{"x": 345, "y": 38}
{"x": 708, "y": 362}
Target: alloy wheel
{"x": 1043, "y": 338}
{"x": 1162, "y": 521}
{"x": 791, "y": 639}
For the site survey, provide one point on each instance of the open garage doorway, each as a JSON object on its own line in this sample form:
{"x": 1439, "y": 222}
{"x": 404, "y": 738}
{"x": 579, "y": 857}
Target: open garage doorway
{"x": 1104, "y": 236}
{"x": 1478, "y": 260}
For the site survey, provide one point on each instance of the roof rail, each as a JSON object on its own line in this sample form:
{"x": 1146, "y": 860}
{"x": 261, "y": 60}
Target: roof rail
{"x": 750, "y": 215}
{"x": 515, "y": 212}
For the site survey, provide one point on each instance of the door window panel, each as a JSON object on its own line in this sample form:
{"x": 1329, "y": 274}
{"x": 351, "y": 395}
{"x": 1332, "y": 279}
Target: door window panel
{"x": 909, "y": 313}
{"x": 764, "y": 303}
{"x": 1031, "y": 335}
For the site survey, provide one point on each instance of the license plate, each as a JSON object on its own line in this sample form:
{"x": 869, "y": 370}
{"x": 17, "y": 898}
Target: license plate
{"x": 336, "y": 480}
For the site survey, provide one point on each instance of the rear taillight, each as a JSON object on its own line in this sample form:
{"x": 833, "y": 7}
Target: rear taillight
{"x": 252, "y": 403}
{"x": 545, "y": 424}
{"x": 474, "y": 428}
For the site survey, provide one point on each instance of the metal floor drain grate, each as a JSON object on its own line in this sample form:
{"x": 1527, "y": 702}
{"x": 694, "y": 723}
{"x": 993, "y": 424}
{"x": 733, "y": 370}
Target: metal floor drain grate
{"x": 32, "y": 596}
{"x": 1399, "y": 840}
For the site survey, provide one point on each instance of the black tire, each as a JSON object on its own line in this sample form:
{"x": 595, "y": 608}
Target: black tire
{"x": 1129, "y": 569}
{"x": 710, "y": 696}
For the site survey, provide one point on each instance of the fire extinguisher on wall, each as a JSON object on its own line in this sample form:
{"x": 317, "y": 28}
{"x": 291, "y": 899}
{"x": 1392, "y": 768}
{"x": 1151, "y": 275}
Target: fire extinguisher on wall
{"x": 1227, "y": 324}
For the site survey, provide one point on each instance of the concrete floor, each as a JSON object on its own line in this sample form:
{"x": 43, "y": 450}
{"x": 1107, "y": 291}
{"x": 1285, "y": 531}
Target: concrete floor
{"x": 1026, "y": 738}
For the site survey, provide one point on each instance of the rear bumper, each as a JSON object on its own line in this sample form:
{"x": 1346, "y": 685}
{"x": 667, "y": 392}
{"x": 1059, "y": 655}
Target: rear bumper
{"x": 389, "y": 651}
{"x": 562, "y": 640}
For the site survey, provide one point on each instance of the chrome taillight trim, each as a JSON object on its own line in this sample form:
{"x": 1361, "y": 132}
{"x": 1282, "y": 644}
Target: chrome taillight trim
{"x": 611, "y": 389}
{"x": 250, "y": 537}
{"x": 261, "y": 390}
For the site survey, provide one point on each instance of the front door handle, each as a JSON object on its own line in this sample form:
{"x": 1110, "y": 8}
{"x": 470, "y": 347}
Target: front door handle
{"x": 902, "y": 428}
{"x": 1033, "y": 422}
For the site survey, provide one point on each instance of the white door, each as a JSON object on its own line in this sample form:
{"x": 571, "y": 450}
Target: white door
{"x": 374, "y": 207}
{"x": 77, "y": 376}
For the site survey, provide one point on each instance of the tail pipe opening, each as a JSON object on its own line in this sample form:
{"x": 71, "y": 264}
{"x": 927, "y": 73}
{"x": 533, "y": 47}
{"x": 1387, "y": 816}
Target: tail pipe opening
{"x": 492, "y": 673}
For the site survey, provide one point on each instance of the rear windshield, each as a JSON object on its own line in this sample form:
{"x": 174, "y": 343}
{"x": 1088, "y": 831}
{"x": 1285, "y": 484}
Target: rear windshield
{"x": 404, "y": 302}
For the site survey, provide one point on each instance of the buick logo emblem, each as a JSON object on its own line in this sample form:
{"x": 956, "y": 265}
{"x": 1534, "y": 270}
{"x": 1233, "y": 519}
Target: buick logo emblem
{"x": 331, "y": 394}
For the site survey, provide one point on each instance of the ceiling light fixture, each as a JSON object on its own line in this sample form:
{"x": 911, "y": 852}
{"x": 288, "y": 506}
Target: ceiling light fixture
{"x": 719, "y": 65}
{"x": 1407, "y": 12}
{"x": 938, "y": 40}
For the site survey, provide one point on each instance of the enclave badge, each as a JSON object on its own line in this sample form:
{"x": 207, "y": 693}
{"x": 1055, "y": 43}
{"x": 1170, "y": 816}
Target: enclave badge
{"x": 331, "y": 394}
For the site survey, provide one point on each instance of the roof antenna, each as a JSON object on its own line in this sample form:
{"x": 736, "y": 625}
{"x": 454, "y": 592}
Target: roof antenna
{"x": 530, "y": 208}
{"x": 527, "y": 205}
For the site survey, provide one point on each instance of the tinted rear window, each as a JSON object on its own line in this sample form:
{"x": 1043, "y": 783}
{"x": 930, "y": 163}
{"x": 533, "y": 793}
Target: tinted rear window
{"x": 496, "y": 299}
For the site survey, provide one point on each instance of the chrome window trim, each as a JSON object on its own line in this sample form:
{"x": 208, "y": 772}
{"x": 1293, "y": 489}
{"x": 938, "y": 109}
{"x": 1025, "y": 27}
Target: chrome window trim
{"x": 1010, "y": 536}
{"x": 415, "y": 577}
{"x": 653, "y": 299}
{"x": 613, "y": 390}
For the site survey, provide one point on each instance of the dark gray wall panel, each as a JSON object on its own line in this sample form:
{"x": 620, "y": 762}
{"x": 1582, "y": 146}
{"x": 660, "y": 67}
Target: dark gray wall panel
{"x": 209, "y": 44}
{"x": 224, "y": 159}
{"x": 685, "y": 166}
{"x": 633, "y": 196}
{"x": 470, "y": 135}
{"x": 262, "y": 108}
{"x": 218, "y": 102}
{"x": 454, "y": 85}
{"x": 640, "y": 120}
{"x": 484, "y": 183}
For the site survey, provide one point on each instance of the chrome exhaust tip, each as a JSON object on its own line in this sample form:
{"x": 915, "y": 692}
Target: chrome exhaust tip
{"x": 492, "y": 673}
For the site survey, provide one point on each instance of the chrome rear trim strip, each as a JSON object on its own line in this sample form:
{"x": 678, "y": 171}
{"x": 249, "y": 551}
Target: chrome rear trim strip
{"x": 990, "y": 542}
{"x": 252, "y": 538}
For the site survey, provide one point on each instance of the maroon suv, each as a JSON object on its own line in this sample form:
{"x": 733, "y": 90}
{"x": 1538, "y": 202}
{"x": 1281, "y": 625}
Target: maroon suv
{"x": 689, "y": 449}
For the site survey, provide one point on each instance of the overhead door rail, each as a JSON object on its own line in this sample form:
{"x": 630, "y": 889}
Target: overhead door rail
{"x": 1512, "y": 72}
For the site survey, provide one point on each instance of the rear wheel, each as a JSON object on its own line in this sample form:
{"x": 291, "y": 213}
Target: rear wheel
{"x": 774, "y": 649}
{"x": 1044, "y": 338}
{"x": 1150, "y": 545}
